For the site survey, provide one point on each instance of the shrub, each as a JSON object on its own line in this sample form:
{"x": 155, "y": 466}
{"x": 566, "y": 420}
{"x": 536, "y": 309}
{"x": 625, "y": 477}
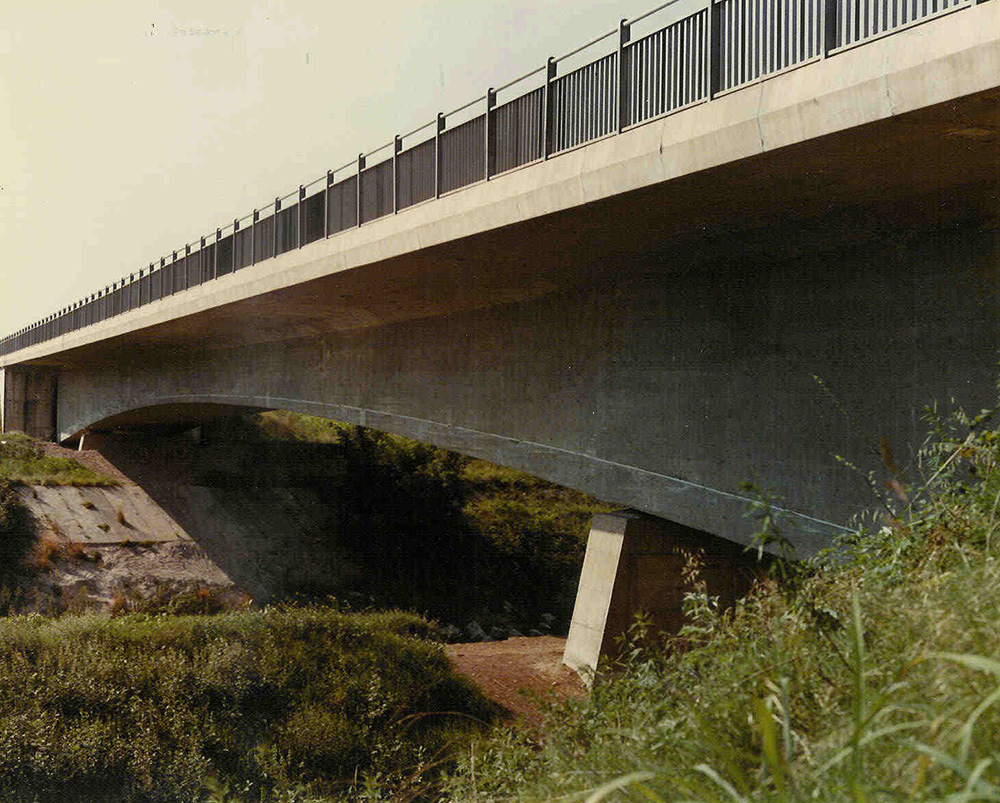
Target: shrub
{"x": 17, "y": 534}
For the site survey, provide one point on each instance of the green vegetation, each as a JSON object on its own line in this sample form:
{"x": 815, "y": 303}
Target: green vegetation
{"x": 872, "y": 675}
{"x": 537, "y": 534}
{"x": 280, "y": 705}
{"x": 437, "y": 532}
{"x": 23, "y": 460}
{"x": 17, "y": 537}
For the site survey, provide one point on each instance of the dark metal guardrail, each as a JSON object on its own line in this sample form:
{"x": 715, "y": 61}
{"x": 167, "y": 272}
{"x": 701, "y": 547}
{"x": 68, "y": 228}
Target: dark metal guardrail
{"x": 721, "y": 47}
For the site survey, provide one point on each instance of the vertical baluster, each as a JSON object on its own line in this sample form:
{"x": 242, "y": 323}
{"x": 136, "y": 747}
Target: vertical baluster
{"x": 550, "y": 73}
{"x": 624, "y": 32}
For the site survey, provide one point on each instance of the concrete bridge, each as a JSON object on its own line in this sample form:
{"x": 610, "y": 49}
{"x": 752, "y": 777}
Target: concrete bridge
{"x": 760, "y": 235}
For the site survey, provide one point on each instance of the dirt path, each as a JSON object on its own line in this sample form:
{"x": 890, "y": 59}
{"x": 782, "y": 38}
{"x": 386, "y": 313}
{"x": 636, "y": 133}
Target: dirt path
{"x": 521, "y": 674}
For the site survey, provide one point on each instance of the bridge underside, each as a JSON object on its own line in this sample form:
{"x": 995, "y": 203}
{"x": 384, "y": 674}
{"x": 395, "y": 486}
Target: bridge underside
{"x": 657, "y": 349}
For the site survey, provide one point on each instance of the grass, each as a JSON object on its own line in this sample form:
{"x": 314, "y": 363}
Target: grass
{"x": 873, "y": 675}
{"x": 23, "y": 460}
{"x": 273, "y": 705}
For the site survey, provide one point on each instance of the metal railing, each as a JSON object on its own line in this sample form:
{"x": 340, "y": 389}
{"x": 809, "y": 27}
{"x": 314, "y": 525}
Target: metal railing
{"x": 720, "y": 47}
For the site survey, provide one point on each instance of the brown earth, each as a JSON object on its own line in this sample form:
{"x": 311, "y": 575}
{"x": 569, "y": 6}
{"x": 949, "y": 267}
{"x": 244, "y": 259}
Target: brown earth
{"x": 521, "y": 674}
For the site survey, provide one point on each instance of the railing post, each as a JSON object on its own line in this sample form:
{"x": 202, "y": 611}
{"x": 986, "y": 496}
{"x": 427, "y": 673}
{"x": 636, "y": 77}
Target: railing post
{"x": 215, "y": 254}
{"x": 274, "y": 229}
{"x": 201, "y": 262}
{"x": 827, "y": 27}
{"x": 550, "y": 73}
{"x": 437, "y": 154}
{"x": 187, "y": 266}
{"x": 300, "y": 217}
{"x": 361, "y": 166}
{"x": 713, "y": 52}
{"x": 253, "y": 236}
{"x": 624, "y": 33}
{"x": 397, "y": 146}
{"x": 326, "y": 204}
{"x": 491, "y": 101}
{"x": 236, "y": 228}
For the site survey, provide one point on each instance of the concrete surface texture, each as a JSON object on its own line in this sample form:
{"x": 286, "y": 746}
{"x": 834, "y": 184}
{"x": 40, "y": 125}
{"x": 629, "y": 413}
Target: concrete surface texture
{"x": 250, "y": 509}
{"x": 644, "y": 318}
{"x": 110, "y": 515}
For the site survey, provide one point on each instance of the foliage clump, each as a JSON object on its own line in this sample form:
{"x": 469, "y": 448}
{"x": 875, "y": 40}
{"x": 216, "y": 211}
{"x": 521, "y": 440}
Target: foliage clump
{"x": 270, "y": 705}
{"x": 868, "y": 673}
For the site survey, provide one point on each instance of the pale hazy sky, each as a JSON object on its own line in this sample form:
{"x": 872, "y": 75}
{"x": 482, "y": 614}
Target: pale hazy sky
{"x": 133, "y": 126}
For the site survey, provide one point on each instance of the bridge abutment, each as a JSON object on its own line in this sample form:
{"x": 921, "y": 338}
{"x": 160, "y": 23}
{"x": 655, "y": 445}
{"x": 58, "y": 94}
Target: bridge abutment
{"x": 639, "y": 563}
{"x": 29, "y": 401}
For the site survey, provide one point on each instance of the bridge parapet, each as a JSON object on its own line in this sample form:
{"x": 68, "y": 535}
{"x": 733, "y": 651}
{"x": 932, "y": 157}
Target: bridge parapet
{"x": 722, "y": 47}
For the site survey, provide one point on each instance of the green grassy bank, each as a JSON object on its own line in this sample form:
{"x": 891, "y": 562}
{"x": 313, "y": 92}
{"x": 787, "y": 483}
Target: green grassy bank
{"x": 22, "y": 460}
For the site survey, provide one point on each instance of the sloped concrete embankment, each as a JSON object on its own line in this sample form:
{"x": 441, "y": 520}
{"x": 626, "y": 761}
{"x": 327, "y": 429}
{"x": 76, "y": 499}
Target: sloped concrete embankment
{"x": 187, "y": 515}
{"x": 256, "y": 510}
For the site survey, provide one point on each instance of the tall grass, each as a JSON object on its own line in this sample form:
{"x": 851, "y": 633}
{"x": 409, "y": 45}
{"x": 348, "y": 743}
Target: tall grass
{"x": 870, "y": 675}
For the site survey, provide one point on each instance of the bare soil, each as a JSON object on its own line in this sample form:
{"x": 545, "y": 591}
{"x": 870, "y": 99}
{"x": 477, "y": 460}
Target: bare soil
{"x": 523, "y": 675}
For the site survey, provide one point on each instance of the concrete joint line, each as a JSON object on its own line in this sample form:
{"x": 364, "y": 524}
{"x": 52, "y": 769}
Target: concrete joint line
{"x": 885, "y": 85}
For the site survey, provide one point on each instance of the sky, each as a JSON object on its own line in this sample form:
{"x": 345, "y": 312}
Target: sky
{"x": 131, "y": 127}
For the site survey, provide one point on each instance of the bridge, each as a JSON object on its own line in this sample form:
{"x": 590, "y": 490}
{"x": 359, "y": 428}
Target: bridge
{"x": 737, "y": 240}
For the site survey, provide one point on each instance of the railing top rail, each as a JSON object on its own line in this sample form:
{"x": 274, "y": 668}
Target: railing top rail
{"x": 389, "y": 144}
{"x": 418, "y": 128}
{"x": 472, "y": 102}
{"x": 518, "y": 80}
{"x": 314, "y": 182}
{"x": 591, "y": 43}
{"x": 651, "y": 12}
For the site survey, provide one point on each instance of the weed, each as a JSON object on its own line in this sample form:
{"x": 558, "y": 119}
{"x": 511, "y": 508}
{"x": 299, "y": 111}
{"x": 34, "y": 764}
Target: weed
{"x": 74, "y": 550}
{"x": 45, "y": 554}
{"x": 120, "y": 518}
{"x": 89, "y": 505}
